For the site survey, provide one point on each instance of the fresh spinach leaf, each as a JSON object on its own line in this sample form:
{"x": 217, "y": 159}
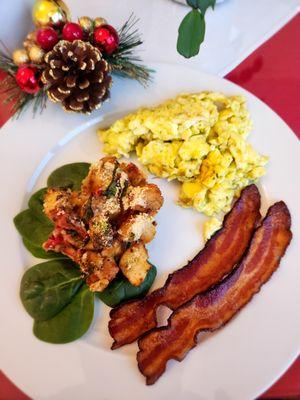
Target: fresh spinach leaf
{"x": 36, "y": 204}
{"x": 32, "y": 228}
{"x": 48, "y": 287}
{"x": 35, "y": 233}
{"x": 121, "y": 289}
{"x": 39, "y": 252}
{"x": 69, "y": 176}
{"x": 69, "y": 324}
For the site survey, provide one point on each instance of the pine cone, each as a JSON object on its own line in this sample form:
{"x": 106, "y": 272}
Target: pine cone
{"x": 77, "y": 76}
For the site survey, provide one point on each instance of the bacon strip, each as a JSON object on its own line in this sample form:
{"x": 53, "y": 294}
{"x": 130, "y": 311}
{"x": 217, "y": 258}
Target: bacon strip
{"x": 217, "y": 259}
{"x": 211, "y": 310}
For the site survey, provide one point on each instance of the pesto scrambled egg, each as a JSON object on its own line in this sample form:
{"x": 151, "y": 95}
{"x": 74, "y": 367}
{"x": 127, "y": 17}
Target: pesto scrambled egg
{"x": 198, "y": 139}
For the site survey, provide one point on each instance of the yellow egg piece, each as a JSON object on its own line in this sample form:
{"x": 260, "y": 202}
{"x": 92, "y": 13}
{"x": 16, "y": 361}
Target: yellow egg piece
{"x": 210, "y": 227}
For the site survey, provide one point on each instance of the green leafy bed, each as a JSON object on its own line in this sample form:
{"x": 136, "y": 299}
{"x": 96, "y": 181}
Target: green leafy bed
{"x": 53, "y": 292}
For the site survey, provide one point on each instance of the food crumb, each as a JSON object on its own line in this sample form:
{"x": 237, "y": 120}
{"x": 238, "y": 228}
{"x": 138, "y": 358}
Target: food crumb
{"x": 210, "y": 227}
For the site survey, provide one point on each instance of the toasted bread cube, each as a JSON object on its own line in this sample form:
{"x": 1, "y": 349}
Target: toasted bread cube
{"x": 115, "y": 250}
{"x": 135, "y": 175}
{"x": 100, "y": 270}
{"x": 145, "y": 198}
{"x": 134, "y": 264}
{"x": 108, "y": 207}
{"x": 101, "y": 232}
{"x": 100, "y": 176}
{"x": 138, "y": 227}
{"x": 57, "y": 201}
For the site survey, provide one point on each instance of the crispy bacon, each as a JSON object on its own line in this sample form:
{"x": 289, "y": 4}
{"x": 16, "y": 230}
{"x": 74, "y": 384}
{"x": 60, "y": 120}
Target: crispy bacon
{"x": 211, "y": 310}
{"x": 217, "y": 259}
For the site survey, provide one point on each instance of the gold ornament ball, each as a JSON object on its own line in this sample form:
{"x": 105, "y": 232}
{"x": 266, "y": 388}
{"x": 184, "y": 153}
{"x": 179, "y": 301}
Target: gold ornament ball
{"x": 99, "y": 21}
{"x": 20, "y": 57}
{"x": 50, "y": 13}
{"x": 30, "y": 40}
{"x": 36, "y": 54}
{"x": 86, "y": 23}
{"x": 32, "y": 36}
{"x": 28, "y": 44}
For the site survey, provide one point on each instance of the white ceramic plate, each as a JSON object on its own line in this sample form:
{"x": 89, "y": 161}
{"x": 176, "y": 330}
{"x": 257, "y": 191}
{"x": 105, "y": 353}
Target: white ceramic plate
{"x": 238, "y": 362}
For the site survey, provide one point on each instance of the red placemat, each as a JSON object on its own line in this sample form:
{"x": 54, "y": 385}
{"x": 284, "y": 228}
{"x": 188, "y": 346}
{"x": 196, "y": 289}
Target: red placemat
{"x": 272, "y": 73}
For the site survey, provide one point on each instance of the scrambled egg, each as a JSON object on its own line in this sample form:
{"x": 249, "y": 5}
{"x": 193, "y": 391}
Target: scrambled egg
{"x": 210, "y": 227}
{"x": 198, "y": 139}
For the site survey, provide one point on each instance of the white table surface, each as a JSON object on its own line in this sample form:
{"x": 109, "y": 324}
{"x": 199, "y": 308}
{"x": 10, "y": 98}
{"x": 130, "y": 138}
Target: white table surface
{"x": 234, "y": 29}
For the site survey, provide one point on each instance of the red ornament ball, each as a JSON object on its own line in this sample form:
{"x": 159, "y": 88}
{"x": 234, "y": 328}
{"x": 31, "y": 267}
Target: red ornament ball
{"x": 107, "y": 38}
{"x": 27, "y": 78}
{"x": 72, "y": 31}
{"x": 47, "y": 38}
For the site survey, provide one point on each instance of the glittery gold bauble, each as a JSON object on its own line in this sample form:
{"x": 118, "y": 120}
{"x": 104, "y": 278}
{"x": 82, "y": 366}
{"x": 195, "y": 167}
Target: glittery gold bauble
{"x": 30, "y": 40}
{"x": 50, "y": 13}
{"x": 32, "y": 36}
{"x": 20, "y": 57}
{"x": 86, "y": 23}
{"x": 99, "y": 21}
{"x": 36, "y": 54}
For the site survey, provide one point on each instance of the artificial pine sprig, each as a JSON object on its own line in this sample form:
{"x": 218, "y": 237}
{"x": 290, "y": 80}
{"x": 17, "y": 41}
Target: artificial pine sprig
{"x": 123, "y": 61}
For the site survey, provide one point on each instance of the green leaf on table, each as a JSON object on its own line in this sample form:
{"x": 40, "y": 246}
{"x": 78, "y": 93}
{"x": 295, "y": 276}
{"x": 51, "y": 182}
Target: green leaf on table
{"x": 48, "y": 287}
{"x": 69, "y": 176}
{"x": 191, "y": 34}
{"x": 39, "y": 252}
{"x": 69, "y": 324}
{"x": 203, "y": 5}
{"x": 31, "y": 228}
{"x": 120, "y": 289}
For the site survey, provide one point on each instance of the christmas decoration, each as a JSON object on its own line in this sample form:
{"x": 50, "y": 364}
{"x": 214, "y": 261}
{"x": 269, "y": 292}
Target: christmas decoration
{"x": 36, "y": 54}
{"x": 47, "y": 38}
{"x": 106, "y": 37}
{"x": 30, "y": 40}
{"x": 86, "y": 24}
{"x": 99, "y": 21}
{"x": 72, "y": 31}
{"x": 77, "y": 76}
{"x": 50, "y": 13}
{"x": 27, "y": 79}
{"x": 70, "y": 63}
{"x": 20, "y": 57}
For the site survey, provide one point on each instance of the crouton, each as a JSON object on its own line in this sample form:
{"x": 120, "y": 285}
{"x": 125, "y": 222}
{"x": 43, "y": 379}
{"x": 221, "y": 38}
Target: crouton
{"x": 138, "y": 227}
{"x": 145, "y": 198}
{"x": 134, "y": 264}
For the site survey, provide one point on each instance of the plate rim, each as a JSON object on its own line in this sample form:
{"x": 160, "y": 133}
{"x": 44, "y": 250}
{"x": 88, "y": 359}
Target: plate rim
{"x": 238, "y": 88}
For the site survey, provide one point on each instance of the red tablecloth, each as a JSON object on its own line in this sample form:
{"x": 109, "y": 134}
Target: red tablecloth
{"x": 272, "y": 73}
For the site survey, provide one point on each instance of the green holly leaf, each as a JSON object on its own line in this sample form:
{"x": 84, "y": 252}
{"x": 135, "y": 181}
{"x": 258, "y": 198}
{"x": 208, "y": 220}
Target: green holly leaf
{"x": 191, "y": 34}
